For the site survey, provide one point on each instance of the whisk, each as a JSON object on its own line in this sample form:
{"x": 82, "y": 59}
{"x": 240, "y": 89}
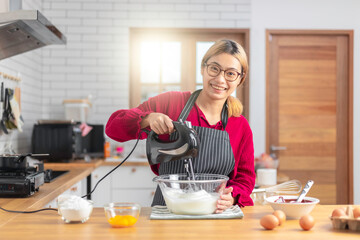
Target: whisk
{"x": 289, "y": 187}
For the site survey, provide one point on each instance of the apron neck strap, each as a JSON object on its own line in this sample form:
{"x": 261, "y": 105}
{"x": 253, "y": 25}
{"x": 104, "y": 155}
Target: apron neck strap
{"x": 190, "y": 103}
{"x": 224, "y": 115}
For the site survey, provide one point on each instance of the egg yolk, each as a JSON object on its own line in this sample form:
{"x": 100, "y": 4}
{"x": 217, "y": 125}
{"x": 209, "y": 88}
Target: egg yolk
{"x": 122, "y": 221}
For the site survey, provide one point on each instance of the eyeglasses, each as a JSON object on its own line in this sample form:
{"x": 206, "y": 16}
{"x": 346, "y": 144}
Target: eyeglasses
{"x": 214, "y": 70}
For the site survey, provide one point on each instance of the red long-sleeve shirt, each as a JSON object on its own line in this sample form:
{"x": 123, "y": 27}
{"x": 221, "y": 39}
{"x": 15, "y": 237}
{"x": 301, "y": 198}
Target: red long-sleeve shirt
{"x": 124, "y": 125}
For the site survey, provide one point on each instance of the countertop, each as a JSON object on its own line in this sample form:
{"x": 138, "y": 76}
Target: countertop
{"x": 74, "y": 164}
{"x": 48, "y": 225}
{"x": 94, "y": 163}
{"x": 78, "y": 170}
{"x": 46, "y": 193}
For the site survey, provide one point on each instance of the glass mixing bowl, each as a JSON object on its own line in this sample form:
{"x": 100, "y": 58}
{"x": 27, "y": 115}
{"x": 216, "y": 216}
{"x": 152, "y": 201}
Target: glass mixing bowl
{"x": 122, "y": 214}
{"x": 191, "y": 197}
{"x": 74, "y": 209}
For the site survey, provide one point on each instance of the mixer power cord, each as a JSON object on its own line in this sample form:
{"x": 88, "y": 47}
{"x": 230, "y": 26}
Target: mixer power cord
{"x": 55, "y": 209}
{"x": 35, "y": 211}
{"x": 132, "y": 150}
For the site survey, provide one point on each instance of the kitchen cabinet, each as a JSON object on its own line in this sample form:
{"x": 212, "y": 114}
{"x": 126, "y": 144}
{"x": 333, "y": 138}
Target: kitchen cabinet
{"x": 125, "y": 184}
{"x": 102, "y": 193}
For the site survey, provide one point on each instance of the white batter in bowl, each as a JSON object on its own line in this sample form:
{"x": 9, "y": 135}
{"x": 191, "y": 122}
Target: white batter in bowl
{"x": 191, "y": 197}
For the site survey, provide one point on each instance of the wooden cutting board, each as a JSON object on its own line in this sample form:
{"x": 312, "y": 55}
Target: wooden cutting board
{"x": 17, "y": 95}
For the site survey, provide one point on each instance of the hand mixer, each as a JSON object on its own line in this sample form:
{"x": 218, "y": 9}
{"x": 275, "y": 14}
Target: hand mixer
{"x": 185, "y": 147}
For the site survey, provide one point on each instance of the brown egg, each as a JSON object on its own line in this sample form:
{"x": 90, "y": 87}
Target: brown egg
{"x": 307, "y": 222}
{"x": 269, "y": 222}
{"x": 280, "y": 216}
{"x": 356, "y": 212}
{"x": 338, "y": 212}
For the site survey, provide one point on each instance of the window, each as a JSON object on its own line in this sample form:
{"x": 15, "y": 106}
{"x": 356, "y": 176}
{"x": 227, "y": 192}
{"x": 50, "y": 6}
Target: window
{"x": 160, "y": 67}
{"x": 170, "y": 60}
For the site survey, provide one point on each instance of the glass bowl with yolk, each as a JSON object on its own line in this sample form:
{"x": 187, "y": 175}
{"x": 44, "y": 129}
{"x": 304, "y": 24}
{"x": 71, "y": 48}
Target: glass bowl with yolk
{"x": 121, "y": 215}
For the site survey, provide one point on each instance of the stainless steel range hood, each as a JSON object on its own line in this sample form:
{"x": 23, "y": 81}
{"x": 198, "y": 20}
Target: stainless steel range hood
{"x": 25, "y": 30}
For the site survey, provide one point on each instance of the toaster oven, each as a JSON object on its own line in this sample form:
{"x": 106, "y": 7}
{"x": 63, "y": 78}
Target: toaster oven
{"x": 64, "y": 141}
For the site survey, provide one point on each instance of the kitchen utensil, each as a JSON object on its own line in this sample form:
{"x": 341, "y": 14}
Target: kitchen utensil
{"x": 17, "y": 96}
{"x": 2, "y": 92}
{"x": 305, "y": 191}
{"x": 181, "y": 198}
{"x": 289, "y": 187}
{"x": 7, "y": 116}
{"x": 15, "y": 109}
{"x": 122, "y": 214}
{"x": 292, "y": 209}
{"x": 2, "y": 109}
{"x": 185, "y": 146}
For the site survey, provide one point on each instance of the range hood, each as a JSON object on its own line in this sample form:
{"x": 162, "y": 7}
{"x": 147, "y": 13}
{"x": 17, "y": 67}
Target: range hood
{"x": 25, "y": 30}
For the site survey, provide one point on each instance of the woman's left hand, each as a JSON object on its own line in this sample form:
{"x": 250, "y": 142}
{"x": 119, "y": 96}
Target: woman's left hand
{"x": 226, "y": 200}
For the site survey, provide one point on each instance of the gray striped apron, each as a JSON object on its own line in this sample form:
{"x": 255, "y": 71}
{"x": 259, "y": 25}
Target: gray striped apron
{"x": 215, "y": 152}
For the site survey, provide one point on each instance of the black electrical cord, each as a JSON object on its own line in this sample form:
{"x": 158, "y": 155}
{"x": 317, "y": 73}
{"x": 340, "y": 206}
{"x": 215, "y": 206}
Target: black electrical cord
{"x": 35, "y": 211}
{"x": 55, "y": 209}
{"x": 137, "y": 141}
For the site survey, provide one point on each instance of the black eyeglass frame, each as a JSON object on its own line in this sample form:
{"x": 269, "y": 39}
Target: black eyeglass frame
{"x": 222, "y": 70}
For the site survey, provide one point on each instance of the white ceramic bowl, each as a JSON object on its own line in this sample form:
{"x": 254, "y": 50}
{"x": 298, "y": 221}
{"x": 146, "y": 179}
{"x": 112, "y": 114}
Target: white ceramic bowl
{"x": 293, "y": 210}
{"x": 191, "y": 197}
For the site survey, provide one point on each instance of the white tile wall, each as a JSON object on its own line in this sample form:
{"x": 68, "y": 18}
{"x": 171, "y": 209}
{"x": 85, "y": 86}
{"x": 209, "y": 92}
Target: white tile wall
{"x": 95, "y": 60}
{"x": 29, "y": 67}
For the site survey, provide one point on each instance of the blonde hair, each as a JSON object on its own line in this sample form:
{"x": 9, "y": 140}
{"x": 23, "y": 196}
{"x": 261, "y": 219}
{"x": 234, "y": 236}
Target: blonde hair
{"x": 231, "y": 47}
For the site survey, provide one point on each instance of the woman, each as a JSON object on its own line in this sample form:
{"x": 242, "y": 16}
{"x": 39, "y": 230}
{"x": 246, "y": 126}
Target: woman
{"x": 213, "y": 113}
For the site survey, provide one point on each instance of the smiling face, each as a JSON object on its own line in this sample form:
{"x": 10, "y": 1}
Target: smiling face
{"x": 217, "y": 88}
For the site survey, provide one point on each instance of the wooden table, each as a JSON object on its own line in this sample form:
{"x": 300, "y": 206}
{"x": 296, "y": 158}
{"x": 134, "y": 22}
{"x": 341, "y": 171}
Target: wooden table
{"x": 48, "y": 225}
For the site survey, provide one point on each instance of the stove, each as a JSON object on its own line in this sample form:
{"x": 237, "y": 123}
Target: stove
{"x": 51, "y": 175}
{"x": 20, "y": 182}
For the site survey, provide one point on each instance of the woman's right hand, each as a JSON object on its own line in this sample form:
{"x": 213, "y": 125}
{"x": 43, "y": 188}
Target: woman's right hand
{"x": 158, "y": 122}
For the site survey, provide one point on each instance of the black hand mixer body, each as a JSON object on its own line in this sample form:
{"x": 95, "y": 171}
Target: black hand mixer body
{"x": 186, "y": 146}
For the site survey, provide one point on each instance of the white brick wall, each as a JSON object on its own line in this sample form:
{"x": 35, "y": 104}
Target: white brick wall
{"x": 95, "y": 59}
{"x": 29, "y": 65}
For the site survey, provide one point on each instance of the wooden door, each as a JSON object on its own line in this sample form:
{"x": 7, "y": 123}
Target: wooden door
{"x": 309, "y": 109}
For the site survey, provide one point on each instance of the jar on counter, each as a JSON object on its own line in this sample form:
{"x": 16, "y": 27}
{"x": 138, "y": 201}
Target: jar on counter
{"x": 107, "y": 149}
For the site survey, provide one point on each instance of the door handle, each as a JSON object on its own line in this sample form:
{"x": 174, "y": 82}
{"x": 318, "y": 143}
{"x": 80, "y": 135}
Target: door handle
{"x": 277, "y": 148}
